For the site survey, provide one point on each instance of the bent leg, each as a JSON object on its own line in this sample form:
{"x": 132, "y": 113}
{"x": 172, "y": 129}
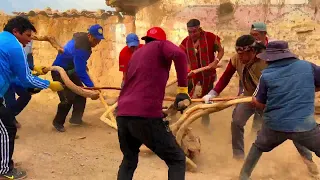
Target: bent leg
{"x": 129, "y": 146}
{"x": 157, "y": 136}
{"x": 240, "y": 116}
{"x": 267, "y": 140}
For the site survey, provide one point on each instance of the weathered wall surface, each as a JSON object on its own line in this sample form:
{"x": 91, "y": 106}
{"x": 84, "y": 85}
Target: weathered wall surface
{"x": 103, "y": 63}
{"x": 296, "y": 21}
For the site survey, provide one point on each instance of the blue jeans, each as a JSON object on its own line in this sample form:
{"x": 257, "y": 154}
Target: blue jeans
{"x": 17, "y": 105}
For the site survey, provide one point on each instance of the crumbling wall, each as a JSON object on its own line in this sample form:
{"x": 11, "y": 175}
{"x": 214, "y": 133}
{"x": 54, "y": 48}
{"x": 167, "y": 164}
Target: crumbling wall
{"x": 103, "y": 63}
{"x": 296, "y": 21}
{"x": 3, "y": 19}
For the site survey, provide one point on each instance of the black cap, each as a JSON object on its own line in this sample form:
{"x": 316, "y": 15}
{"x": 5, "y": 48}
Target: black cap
{"x": 193, "y": 23}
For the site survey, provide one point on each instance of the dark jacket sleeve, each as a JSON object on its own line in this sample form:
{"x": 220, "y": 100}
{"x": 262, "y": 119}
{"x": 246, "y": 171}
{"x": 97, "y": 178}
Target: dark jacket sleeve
{"x": 80, "y": 58}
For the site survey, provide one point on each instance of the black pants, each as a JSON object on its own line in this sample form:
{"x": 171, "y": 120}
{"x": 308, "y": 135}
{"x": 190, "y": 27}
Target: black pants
{"x": 135, "y": 131}
{"x": 69, "y": 99}
{"x": 8, "y": 132}
{"x": 17, "y": 105}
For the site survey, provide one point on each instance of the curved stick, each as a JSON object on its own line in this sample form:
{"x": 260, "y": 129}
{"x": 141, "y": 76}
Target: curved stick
{"x": 174, "y": 127}
{"x": 210, "y": 108}
{"x": 191, "y": 163}
{"x": 101, "y": 88}
{"x": 74, "y": 88}
{"x": 194, "y": 72}
{"x": 168, "y": 98}
{"x": 111, "y": 123}
{"x": 51, "y": 40}
{"x": 112, "y": 108}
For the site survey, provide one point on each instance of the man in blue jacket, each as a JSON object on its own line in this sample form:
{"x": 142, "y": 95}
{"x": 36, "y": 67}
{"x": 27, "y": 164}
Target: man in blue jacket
{"x": 17, "y": 105}
{"x": 74, "y": 61}
{"x": 286, "y": 92}
{"x": 13, "y": 64}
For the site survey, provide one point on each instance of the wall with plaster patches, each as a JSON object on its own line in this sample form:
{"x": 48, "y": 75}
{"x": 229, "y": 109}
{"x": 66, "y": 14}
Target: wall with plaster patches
{"x": 103, "y": 63}
{"x": 296, "y": 21}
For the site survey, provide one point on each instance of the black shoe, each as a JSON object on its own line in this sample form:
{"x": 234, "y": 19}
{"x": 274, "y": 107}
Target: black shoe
{"x": 14, "y": 174}
{"x": 75, "y": 122}
{"x": 250, "y": 162}
{"x": 58, "y": 127}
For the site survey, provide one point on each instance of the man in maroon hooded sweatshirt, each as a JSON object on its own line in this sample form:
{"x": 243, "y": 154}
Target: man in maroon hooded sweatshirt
{"x": 140, "y": 116}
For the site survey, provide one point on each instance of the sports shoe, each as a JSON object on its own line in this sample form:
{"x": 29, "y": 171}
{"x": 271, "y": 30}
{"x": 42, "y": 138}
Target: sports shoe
{"x": 14, "y": 174}
{"x": 75, "y": 122}
{"x": 58, "y": 127}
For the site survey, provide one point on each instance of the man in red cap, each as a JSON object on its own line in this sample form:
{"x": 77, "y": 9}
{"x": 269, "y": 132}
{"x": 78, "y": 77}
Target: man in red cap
{"x": 201, "y": 48}
{"x": 140, "y": 116}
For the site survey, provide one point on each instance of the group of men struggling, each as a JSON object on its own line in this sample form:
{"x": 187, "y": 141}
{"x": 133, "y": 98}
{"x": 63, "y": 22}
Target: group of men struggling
{"x": 282, "y": 87}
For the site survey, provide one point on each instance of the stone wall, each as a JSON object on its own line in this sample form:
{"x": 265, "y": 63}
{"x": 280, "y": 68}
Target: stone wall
{"x": 296, "y": 21}
{"x": 103, "y": 63}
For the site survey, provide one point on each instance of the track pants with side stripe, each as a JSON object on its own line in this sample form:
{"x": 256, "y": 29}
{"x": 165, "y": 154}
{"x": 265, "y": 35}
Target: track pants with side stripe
{"x": 8, "y": 132}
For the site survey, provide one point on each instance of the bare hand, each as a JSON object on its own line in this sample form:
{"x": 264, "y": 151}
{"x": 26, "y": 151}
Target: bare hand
{"x": 96, "y": 96}
{"x": 191, "y": 73}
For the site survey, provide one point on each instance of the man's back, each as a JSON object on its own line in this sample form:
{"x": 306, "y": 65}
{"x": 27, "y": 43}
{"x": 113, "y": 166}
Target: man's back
{"x": 78, "y": 45}
{"x": 290, "y": 103}
{"x": 147, "y": 75}
{"x": 76, "y": 54}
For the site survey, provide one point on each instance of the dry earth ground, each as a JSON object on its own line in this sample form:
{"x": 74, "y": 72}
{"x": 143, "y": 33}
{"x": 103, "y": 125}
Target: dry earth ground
{"x": 92, "y": 151}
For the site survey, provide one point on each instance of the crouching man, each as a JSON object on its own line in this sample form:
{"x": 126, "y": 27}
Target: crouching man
{"x": 286, "y": 92}
{"x": 74, "y": 61}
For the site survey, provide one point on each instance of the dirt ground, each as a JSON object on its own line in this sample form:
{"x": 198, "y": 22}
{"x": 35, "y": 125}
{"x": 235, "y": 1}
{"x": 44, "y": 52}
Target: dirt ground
{"x": 92, "y": 151}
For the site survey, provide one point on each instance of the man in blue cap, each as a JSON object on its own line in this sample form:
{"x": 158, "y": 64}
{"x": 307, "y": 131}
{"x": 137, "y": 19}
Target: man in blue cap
{"x": 74, "y": 61}
{"x": 286, "y": 93}
{"x": 133, "y": 44}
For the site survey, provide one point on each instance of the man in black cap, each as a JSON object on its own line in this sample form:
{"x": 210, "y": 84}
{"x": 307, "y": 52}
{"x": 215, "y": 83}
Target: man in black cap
{"x": 286, "y": 93}
{"x": 202, "y": 49}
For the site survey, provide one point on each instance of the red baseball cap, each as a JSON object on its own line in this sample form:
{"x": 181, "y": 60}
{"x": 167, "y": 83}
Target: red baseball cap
{"x": 156, "y": 33}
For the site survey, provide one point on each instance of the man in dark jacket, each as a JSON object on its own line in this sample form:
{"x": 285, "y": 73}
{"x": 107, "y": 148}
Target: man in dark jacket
{"x": 74, "y": 61}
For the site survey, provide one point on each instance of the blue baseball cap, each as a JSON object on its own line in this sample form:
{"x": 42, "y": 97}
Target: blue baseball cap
{"x": 132, "y": 40}
{"x": 96, "y": 31}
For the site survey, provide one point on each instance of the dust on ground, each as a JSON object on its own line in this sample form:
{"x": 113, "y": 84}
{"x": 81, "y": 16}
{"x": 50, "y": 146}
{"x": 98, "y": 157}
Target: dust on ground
{"x": 92, "y": 151}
